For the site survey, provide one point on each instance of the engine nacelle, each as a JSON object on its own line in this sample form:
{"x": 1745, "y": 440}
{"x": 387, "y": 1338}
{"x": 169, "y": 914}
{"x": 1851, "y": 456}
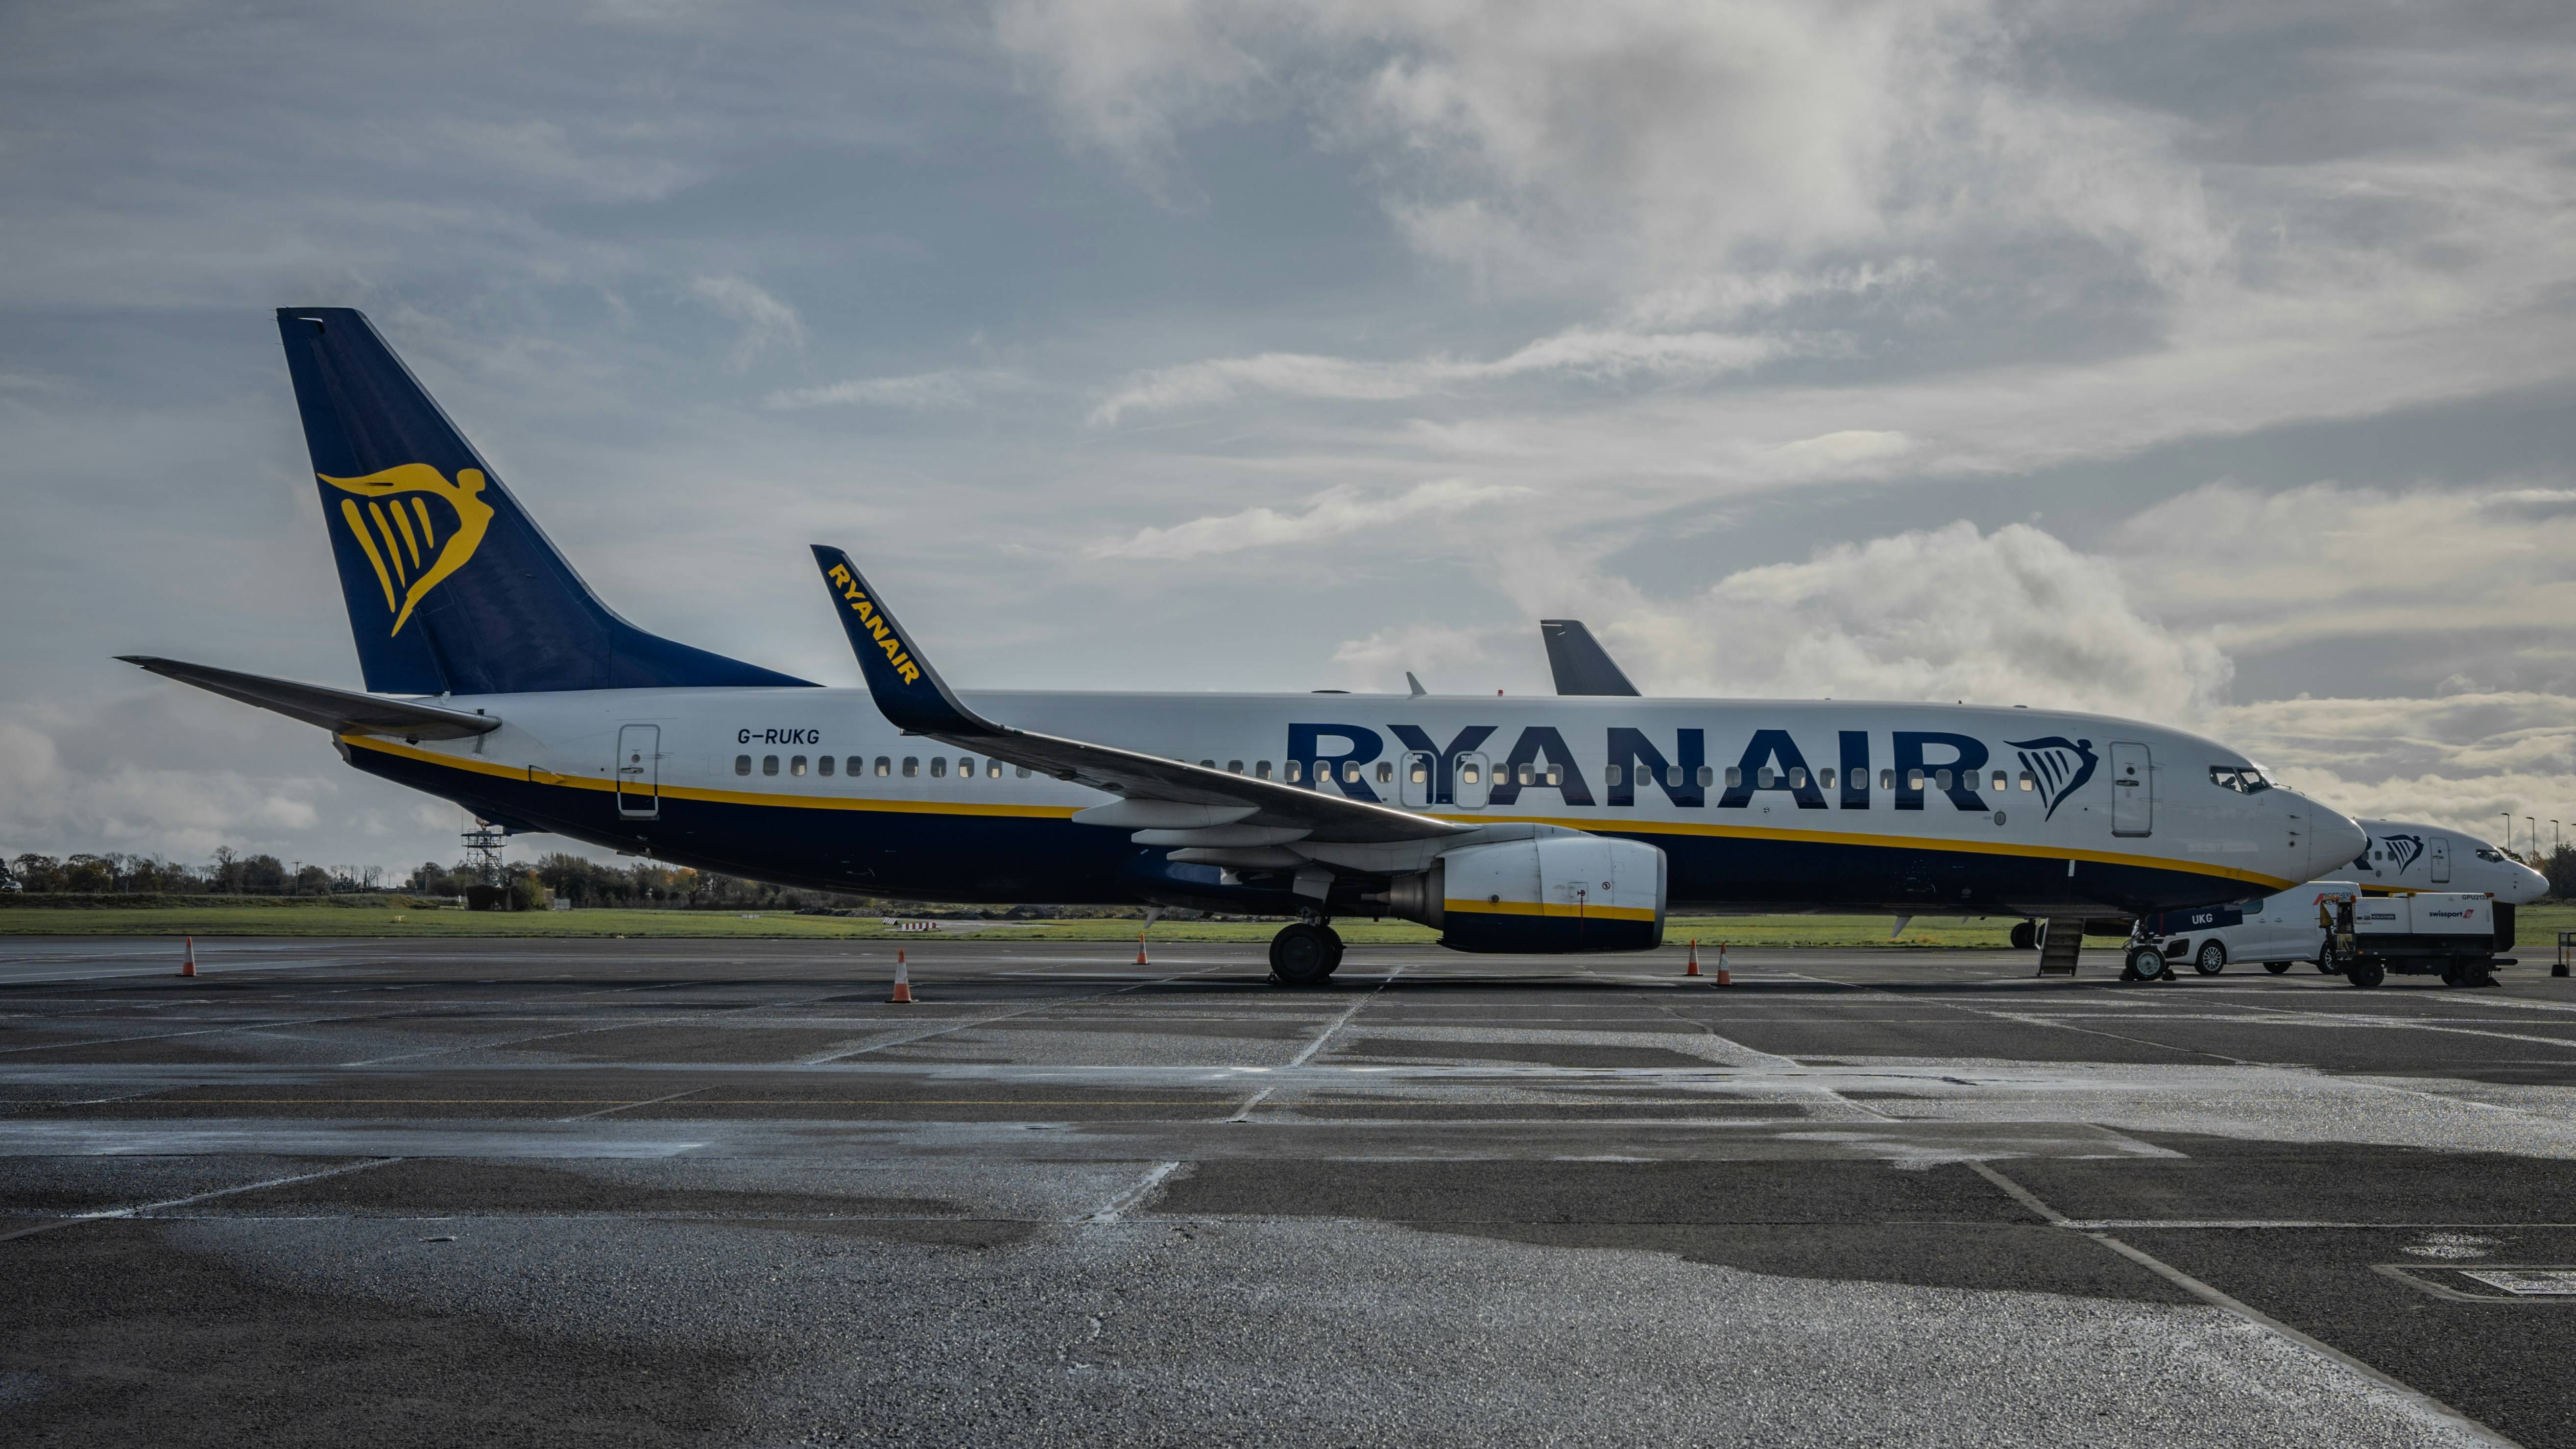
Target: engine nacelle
{"x": 1552, "y": 895}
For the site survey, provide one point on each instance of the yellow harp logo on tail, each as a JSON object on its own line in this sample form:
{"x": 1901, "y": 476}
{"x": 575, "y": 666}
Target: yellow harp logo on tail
{"x": 412, "y": 547}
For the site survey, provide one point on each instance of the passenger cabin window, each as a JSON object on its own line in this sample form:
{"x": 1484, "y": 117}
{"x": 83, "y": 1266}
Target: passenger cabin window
{"x": 1735, "y": 777}
{"x": 1887, "y": 780}
{"x": 1350, "y": 772}
{"x": 1207, "y": 764}
{"x": 1614, "y": 774}
{"x": 742, "y": 764}
{"x": 1385, "y": 772}
{"x": 1290, "y": 772}
{"x": 823, "y": 765}
{"x": 796, "y": 766}
{"x": 1707, "y": 777}
{"x": 1763, "y": 777}
{"x": 769, "y": 764}
{"x": 1556, "y": 774}
{"x": 1941, "y": 778}
{"x": 911, "y": 766}
{"x": 1797, "y": 778}
{"x": 1524, "y": 775}
{"x": 965, "y": 768}
{"x": 1234, "y": 767}
{"x": 1419, "y": 773}
{"x": 1469, "y": 774}
{"x": 939, "y": 767}
{"x": 993, "y": 770}
{"x": 1914, "y": 779}
{"x": 1261, "y": 769}
{"x": 2000, "y": 783}
{"x": 2029, "y": 781}
{"x": 882, "y": 764}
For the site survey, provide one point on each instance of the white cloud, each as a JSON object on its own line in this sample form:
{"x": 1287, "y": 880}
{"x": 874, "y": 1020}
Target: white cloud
{"x": 1581, "y": 353}
{"x": 918, "y": 392}
{"x": 1330, "y": 514}
{"x": 766, "y": 321}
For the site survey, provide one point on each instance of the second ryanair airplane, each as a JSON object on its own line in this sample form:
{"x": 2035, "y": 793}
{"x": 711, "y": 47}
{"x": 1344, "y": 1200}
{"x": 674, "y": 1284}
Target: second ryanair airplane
{"x": 496, "y": 679}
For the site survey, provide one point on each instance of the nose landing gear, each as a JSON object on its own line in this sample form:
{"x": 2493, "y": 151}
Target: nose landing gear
{"x": 1304, "y": 954}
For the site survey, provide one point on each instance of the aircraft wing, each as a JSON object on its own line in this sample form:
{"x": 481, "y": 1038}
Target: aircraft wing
{"x": 340, "y": 711}
{"x": 912, "y": 696}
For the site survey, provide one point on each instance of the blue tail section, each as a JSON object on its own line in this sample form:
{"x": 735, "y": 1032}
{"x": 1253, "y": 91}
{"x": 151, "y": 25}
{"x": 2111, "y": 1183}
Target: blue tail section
{"x": 451, "y": 588}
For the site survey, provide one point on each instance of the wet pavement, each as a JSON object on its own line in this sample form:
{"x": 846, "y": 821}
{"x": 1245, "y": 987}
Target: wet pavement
{"x": 724, "y": 1192}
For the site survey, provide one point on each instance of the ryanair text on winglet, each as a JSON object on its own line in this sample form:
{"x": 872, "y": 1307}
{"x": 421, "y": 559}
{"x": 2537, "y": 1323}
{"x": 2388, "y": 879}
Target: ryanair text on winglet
{"x": 862, "y": 606}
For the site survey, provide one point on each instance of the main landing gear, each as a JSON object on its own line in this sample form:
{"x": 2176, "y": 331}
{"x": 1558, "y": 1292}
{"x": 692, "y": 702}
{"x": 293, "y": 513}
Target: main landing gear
{"x": 1304, "y": 954}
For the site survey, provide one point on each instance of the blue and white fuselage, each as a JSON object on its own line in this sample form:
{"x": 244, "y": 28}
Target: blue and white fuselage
{"x": 1757, "y": 805}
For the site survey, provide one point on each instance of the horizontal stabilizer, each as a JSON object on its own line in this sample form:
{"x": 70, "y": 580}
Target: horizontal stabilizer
{"x": 340, "y": 711}
{"x": 1578, "y": 661}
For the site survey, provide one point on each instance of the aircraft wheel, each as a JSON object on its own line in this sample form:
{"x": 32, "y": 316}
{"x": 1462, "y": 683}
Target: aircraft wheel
{"x": 2276, "y": 967}
{"x": 2211, "y": 960}
{"x": 1334, "y": 962}
{"x": 1303, "y": 955}
{"x": 2144, "y": 963}
{"x": 2364, "y": 974}
{"x": 2025, "y": 935}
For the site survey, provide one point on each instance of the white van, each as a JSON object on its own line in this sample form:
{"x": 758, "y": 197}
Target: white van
{"x": 2275, "y": 930}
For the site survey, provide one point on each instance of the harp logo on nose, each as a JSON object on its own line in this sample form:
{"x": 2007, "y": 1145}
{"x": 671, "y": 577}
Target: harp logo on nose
{"x": 2402, "y": 850}
{"x": 415, "y": 527}
{"x": 2058, "y": 764}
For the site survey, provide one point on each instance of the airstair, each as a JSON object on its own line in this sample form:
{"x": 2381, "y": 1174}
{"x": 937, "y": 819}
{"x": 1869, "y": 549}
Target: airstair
{"x": 2059, "y": 948}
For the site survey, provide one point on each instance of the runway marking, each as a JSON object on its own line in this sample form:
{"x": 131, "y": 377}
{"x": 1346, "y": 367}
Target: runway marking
{"x": 622, "y": 1106}
{"x": 149, "y": 1207}
{"x": 694, "y": 1018}
{"x": 991, "y": 1017}
{"x": 56, "y": 1046}
{"x": 2240, "y": 1309}
{"x": 2034, "y": 1018}
{"x": 1117, "y": 1206}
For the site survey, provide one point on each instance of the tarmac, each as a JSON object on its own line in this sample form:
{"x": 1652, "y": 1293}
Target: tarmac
{"x": 724, "y": 1192}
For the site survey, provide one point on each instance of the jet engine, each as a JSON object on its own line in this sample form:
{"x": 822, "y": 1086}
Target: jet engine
{"x": 1551, "y": 895}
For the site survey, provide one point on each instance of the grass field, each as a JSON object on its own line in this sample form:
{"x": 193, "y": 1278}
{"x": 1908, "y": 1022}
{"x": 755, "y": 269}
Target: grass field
{"x": 2538, "y": 927}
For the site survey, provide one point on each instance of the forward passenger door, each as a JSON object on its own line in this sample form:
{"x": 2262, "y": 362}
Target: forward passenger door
{"x": 2133, "y": 800}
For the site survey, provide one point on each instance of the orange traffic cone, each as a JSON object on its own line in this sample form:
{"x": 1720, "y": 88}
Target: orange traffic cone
{"x": 902, "y": 982}
{"x": 1722, "y": 978}
{"x": 188, "y": 957}
{"x": 1693, "y": 968}
{"x": 1140, "y": 948}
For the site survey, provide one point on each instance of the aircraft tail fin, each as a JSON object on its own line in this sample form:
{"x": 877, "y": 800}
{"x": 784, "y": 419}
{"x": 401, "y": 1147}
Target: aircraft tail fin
{"x": 1578, "y": 661}
{"x": 451, "y": 587}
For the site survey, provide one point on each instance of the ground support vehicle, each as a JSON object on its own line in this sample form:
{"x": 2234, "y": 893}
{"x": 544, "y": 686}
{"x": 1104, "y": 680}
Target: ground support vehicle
{"x": 2276, "y": 930}
{"x": 2452, "y": 934}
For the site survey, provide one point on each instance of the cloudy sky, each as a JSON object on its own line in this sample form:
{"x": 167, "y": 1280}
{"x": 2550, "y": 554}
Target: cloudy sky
{"x": 2210, "y": 364}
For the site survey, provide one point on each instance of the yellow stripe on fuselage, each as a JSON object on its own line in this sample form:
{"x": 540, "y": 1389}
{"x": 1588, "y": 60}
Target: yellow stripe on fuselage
{"x": 1546, "y": 908}
{"x": 538, "y": 774}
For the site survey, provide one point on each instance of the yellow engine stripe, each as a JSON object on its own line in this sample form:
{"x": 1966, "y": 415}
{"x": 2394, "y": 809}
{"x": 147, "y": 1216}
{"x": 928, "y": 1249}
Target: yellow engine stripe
{"x": 1547, "y": 908}
{"x": 358, "y": 526}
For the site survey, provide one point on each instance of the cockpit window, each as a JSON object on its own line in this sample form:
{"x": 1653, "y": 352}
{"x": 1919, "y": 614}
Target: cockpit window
{"x": 2243, "y": 779}
{"x": 2492, "y": 854}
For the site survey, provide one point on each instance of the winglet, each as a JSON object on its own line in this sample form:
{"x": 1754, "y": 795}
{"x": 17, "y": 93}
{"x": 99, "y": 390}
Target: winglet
{"x": 908, "y": 691}
{"x": 1578, "y": 661}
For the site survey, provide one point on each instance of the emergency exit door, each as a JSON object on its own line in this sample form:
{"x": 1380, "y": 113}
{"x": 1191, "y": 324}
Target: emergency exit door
{"x": 639, "y": 772}
{"x": 2133, "y": 790}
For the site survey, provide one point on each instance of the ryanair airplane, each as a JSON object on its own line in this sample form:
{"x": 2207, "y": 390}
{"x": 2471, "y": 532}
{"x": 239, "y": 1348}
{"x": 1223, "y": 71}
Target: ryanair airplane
{"x": 496, "y": 679}
{"x": 2404, "y": 857}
